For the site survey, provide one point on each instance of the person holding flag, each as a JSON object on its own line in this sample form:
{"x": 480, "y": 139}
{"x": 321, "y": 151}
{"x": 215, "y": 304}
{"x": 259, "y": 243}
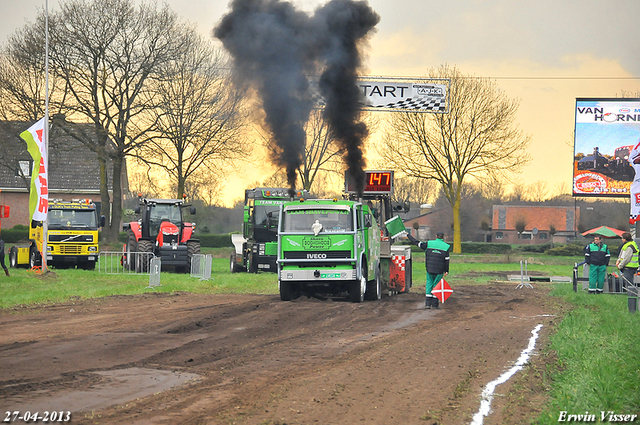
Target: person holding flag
{"x": 437, "y": 263}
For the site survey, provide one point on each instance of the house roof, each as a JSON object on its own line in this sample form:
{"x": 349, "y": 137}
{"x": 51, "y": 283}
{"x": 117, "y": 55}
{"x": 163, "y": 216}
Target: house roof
{"x": 72, "y": 166}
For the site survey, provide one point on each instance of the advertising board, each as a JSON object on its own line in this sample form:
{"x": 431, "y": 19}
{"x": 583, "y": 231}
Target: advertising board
{"x": 606, "y": 131}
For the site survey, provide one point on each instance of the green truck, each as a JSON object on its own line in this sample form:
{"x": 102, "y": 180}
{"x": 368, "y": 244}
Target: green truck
{"x": 329, "y": 246}
{"x": 256, "y": 248}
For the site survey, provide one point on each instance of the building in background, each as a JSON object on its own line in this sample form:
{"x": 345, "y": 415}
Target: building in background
{"x": 74, "y": 171}
{"x": 530, "y": 224}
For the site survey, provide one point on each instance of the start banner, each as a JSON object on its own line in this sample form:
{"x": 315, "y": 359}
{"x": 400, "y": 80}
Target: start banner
{"x": 398, "y": 94}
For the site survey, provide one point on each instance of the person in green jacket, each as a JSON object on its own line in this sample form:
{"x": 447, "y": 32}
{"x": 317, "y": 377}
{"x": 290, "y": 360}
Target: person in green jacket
{"x": 627, "y": 261}
{"x": 437, "y": 262}
{"x": 597, "y": 255}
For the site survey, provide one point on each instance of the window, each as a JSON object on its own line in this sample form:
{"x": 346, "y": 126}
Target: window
{"x": 24, "y": 168}
{"x": 525, "y": 236}
{"x": 499, "y": 235}
{"x": 542, "y": 235}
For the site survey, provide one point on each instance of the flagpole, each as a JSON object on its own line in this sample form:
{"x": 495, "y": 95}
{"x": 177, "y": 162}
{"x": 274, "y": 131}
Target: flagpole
{"x": 45, "y": 229}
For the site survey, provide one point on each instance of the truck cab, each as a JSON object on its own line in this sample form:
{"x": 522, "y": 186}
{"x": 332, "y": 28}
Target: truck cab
{"x": 330, "y": 246}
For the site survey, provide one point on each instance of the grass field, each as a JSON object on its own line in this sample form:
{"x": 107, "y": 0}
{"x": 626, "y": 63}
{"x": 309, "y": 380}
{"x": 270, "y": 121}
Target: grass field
{"x": 597, "y": 344}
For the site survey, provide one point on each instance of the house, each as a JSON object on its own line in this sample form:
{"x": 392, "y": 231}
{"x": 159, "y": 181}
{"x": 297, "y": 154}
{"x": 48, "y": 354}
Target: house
{"x": 74, "y": 171}
{"x": 530, "y": 224}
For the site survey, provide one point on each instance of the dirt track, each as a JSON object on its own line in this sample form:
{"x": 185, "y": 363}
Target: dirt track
{"x": 252, "y": 359}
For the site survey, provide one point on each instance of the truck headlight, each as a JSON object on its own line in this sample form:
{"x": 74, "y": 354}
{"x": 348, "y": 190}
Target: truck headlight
{"x": 93, "y": 249}
{"x": 49, "y": 248}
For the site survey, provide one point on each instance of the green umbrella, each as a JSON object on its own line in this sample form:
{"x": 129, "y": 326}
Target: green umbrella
{"x": 605, "y": 232}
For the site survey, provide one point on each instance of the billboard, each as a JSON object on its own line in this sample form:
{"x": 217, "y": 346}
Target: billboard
{"x": 399, "y": 94}
{"x": 606, "y": 131}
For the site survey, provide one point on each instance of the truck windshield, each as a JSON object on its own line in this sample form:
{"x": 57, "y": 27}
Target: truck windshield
{"x": 266, "y": 215}
{"x": 331, "y": 220}
{"x": 72, "y": 219}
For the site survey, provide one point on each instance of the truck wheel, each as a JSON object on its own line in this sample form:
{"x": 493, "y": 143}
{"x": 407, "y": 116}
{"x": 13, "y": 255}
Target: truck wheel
{"x": 13, "y": 257}
{"x": 252, "y": 266}
{"x": 34, "y": 258}
{"x": 374, "y": 287}
{"x": 357, "y": 289}
{"x": 89, "y": 265}
{"x": 145, "y": 248}
{"x": 286, "y": 291}
{"x": 193, "y": 248}
{"x": 233, "y": 266}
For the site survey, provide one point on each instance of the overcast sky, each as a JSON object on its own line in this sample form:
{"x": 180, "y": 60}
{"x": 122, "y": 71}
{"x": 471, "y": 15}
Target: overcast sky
{"x": 544, "y": 52}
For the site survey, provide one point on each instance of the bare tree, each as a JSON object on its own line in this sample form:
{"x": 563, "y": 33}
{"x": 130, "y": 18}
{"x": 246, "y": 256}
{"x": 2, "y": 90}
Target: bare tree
{"x": 493, "y": 189}
{"x": 518, "y": 192}
{"x": 198, "y": 121}
{"x": 416, "y": 190}
{"x": 107, "y": 52}
{"x": 538, "y": 191}
{"x": 476, "y": 138}
{"x": 22, "y": 75}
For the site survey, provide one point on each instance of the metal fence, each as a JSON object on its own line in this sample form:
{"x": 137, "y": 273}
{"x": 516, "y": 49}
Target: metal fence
{"x": 155, "y": 266}
{"x": 201, "y": 266}
{"x": 110, "y": 262}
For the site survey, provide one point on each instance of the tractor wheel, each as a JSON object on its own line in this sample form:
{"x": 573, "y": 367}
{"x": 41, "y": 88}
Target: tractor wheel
{"x": 374, "y": 287}
{"x": 131, "y": 247}
{"x": 193, "y": 248}
{"x": 13, "y": 257}
{"x": 145, "y": 248}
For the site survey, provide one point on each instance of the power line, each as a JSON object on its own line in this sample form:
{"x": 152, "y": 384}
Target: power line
{"x": 560, "y": 78}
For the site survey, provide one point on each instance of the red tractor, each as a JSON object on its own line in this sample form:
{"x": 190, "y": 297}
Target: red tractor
{"x": 160, "y": 231}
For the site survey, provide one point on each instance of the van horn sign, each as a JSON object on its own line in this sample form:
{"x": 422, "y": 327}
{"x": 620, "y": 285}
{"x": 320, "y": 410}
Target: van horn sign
{"x": 418, "y": 95}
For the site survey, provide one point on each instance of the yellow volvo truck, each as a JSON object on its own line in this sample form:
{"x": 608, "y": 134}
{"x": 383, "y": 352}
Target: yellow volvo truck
{"x": 72, "y": 237}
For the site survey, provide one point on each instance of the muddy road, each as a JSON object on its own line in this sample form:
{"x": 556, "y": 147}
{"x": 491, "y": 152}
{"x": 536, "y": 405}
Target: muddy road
{"x": 253, "y": 359}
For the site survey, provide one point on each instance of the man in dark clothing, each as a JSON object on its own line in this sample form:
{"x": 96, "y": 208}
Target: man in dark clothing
{"x": 437, "y": 263}
{"x": 6, "y": 270}
{"x": 597, "y": 255}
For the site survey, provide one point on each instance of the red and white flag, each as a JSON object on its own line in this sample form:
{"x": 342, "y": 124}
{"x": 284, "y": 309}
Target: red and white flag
{"x": 442, "y": 290}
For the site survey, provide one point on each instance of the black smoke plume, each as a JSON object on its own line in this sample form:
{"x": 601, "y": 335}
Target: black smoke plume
{"x": 347, "y": 24}
{"x": 276, "y": 48}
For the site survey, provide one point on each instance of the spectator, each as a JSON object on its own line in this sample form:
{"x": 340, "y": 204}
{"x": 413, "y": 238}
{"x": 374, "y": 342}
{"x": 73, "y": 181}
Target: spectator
{"x": 597, "y": 255}
{"x": 6, "y": 270}
{"x": 627, "y": 261}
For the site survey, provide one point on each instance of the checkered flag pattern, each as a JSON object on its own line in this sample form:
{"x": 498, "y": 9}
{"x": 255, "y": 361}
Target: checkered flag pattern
{"x": 399, "y": 261}
{"x": 633, "y": 219}
{"x": 419, "y": 104}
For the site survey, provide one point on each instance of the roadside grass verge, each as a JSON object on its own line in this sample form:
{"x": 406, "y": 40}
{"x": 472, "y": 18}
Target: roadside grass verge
{"x": 598, "y": 366}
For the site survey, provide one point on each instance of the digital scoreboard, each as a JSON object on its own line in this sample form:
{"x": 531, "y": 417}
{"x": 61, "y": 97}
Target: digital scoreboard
{"x": 377, "y": 182}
